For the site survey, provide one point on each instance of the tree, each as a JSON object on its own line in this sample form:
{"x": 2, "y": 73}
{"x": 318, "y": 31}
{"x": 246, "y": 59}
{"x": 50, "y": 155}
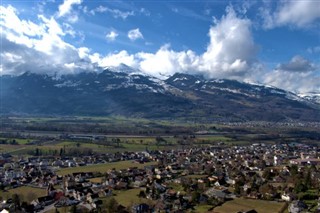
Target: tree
{"x": 237, "y": 188}
{"x": 300, "y": 187}
{"x": 195, "y": 197}
{"x": 73, "y": 209}
{"x": 142, "y": 194}
{"x": 293, "y": 170}
{"x": 111, "y": 205}
{"x": 16, "y": 201}
{"x": 308, "y": 180}
{"x": 37, "y": 152}
{"x": 267, "y": 174}
{"x": 13, "y": 142}
{"x": 159, "y": 140}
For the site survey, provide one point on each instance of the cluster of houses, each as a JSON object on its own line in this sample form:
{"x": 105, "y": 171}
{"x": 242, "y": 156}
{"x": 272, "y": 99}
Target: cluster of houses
{"x": 181, "y": 179}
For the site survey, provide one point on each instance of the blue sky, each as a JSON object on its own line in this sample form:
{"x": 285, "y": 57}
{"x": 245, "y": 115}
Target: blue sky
{"x": 272, "y": 42}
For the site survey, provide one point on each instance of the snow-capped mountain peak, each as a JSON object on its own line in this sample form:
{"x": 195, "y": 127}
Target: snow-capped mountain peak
{"x": 123, "y": 68}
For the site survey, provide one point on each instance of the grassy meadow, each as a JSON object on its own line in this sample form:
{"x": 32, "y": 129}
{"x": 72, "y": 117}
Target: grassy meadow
{"x": 103, "y": 167}
{"x": 241, "y": 204}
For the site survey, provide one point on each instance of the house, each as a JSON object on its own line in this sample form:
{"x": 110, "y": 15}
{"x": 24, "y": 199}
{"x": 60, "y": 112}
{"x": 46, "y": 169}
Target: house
{"x": 121, "y": 185}
{"x": 216, "y": 193}
{"x": 307, "y": 161}
{"x": 297, "y": 206}
{"x": 287, "y": 197}
{"x": 141, "y": 208}
{"x": 46, "y": 200}
{"x": 91, "y": 198}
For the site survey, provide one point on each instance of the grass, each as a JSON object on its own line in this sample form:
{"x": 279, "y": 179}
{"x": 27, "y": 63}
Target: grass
{"x": 214, "y": 138}
{"x": 103, "y": 167}
{"x": 26, "y": 193}
{"x": 95, "y": 180}
{"x": 241, "y": 204}
{"x": 176, "y": 186}
{"x": 18, "y": 140}
{"x": 13, "y": 149}
{"x": 202, "y": 208}
{"x": 129, "y": 197}
{"x": 126, "y": 144}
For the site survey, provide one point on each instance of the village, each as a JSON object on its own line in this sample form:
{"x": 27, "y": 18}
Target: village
{"x": 175, "y": 180}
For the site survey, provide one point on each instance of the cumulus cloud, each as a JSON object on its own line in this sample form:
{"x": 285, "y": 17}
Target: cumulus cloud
{"x": 293, "y": 13}
{"x": 39, "y": 46}
{"x": 11, "y": 22}
{"x": 114, "y": 59}
{"x": 112, "y": 35}
{"x": 36, "y": 47}
{"x": 166, "y": 62}
{"x": 135, "y": 34}
{"x": 293, "y": 81}
{"x": 66, "y": 7}
{"x": 17, "y": 58}
{"x": 297, "y": 64}
{"x": 231, "y": 50}
{"x": 231, "y": 53}
{"x": 297, "y": 75}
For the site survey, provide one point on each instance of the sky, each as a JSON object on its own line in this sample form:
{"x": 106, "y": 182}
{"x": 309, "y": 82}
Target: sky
{"x": 268, "y": 41}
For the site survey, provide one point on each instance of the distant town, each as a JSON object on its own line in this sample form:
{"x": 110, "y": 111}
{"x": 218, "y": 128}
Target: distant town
{"x": 282, "y": 177}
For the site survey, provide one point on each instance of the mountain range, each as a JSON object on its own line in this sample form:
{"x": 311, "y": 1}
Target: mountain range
{"x": 125, "y": 91}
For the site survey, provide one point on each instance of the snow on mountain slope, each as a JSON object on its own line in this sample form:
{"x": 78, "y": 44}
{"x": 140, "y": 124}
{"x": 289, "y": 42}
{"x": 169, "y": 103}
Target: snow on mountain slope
{"x": 314, "y": 97}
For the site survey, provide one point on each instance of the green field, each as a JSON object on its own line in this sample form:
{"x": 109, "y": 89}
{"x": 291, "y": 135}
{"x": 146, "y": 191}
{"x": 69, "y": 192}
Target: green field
{"x": 202, "y": 208}
{"x": 95, "y": 180}
{"x": 241, "y": 204}
{"x": 129, "y": 197}
{"x": 26, "y": 193}
{"x": 18, "y": 140}
{"x": 104, "y": 167}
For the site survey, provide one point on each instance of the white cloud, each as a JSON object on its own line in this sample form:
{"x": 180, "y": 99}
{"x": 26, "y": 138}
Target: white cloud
{"x": 99, "y": 9}
{"x": 166, "y": 62}
{"x": 11, "y": 22}
{"x": 135, "y": 34}
{"x": 297, "y": 75}
{"x": 83, "y": 52}
{"x": 39, "y": 46}
{"x": 231, "y": 50}
{"x": 114, "y": 59}
{"x": 313, "y": 50}
{"x": 114, "y": 12}
{"x": 231, "y": 53}
{"x": 144, "y": 11}
{"x": 297, "y": 64}
{"x": 36, "y": 47}
{"x": 293, "y": 13}
{"x": 112, "y": 35}
{"x": 293, "y": 81}
{"x": 120, "y": 14}
{"x": 66, "y": 7}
